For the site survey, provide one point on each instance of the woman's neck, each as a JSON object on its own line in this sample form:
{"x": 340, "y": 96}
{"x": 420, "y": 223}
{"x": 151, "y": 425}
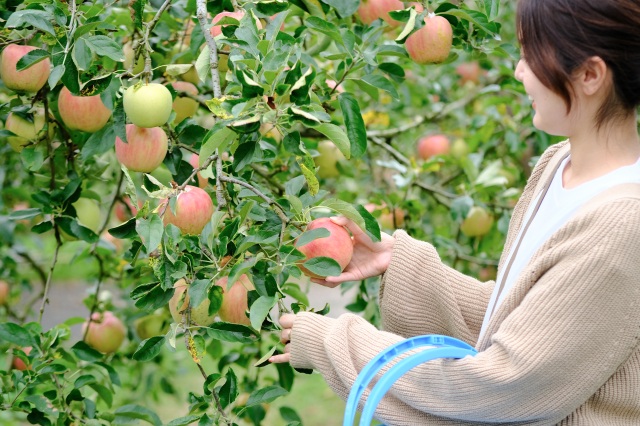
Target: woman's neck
{"x": 597, "y": 152}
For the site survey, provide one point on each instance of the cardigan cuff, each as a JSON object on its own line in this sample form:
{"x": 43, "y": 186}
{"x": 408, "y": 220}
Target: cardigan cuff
{"x": 307, "y": 339}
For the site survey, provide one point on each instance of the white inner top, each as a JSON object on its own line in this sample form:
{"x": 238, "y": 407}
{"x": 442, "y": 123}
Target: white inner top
{"x": 556, "y": 209}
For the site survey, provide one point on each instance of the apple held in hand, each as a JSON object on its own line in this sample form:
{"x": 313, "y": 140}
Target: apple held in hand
{"x": 4, "y": 292}
{"x": 148, "y": 105}
{"x": 431, "y": 145}
{"x": 184, "y": 106}
{"x": 194, "y": 209}
{"x": 370, "y": 10}
{"x": 431, "y": 43}
{"x": 234, "y": 300}
{"x": 28, "y": 80}
{"x": 105, "y": 332}
{"x": 338, "y": 245}
{"x": 144, "y": 150}
{"x": 477, "y": 223}
{"x": 26, "y": 131}
{"x": 180, "y": 302}
{"x": 84, "y": 113}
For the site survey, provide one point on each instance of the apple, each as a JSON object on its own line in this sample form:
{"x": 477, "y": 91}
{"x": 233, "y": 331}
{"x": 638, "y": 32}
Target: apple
{"x": 151, "y": 325}
{"x": 144, "y": 150}
{"x": 194, "y": 160}
{"x": 26, "y": 131}
{"x": 4, "y": 292}
{"x": 477, "y": 223}
{"x": 84, "y": 113}
{"x": 338, "y": 245}
{"x": 386, "y": 218}
{"x": 370, "y": 10}
{"x": 19, "y": 364}
{"x": 469, "y": 71}
{"x": 127, "y": 49}
{"x": 28, "y": 80}
{"x": 431, "y": 43}
{"x": 184, "y": 106}
{"x": 234, "y": 301}
{"x": 180, "y": 301}
{"x": 327, "y": 160}
{"x": 148, "y": 105}
{"x": 459, "y": 148}
{"x": 125, "y": 209}
{"x": 88, "y": 213}
{"x": 431, "y": 145}
{"x": 216, "y": 30}
{"x": 194, "y": 209}
{"x": 105, "y": 332}
{"x": 332, "y": 85}
{"x": 269, "y": 130}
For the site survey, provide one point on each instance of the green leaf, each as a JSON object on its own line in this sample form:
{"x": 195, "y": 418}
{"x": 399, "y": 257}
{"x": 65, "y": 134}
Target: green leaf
{"x": 31, "y": 58}
{"x": 126, "y": 230}
{"x": 25, "y": 214}
{"x": 134, "y": 411}
{"x": 86, "y": 353}
{"x": 30, "y": 17}
{"x": 347, "y": 210}
{"x": 260, "y": 309}
{"x": 137, "y": 12}
{"x": 326, "y": 28}
{"x": 105, "y": 46}
{"x": 184, "y": 421}
{"x": 323, "y": 266}
{"x": 219, "y": 139}
{"x": 477, "y": 18}
{"x": 271, "y": 7}
{"x": 268, "y": 394}
{"x": 232, "y": 332}
{"x": 151, "y": 296}
{"x": 307, "y": 236}
{"x": 492, "y": 8}
{"x": 308, "y": 169}
{"x": 337, "y": 136}
{"x": 83, "y": 381}
{"x": 229, "y": 391}
{"x": 294, "y": 291}
{"x": 372, "y": 227}
{"x": 56, "y": 74}
{"x": 13, "y": 333}
{"x": 198, "y": 291}
{"x": 98, "y": 143}
{"x": 103, "y": 392}
{"x": 82, "y": 55}
{"x": 149, "y": 349}
{"x": 150, "y": 231}
{"x": 264, "y": 361}
{"x": 344, "y": 8}
{"x": 379, "y": 82}
{"x": 356, "y": 130}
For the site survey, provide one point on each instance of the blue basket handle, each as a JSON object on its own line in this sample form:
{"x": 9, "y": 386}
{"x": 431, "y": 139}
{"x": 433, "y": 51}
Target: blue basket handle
{"x": 444, "y": 346}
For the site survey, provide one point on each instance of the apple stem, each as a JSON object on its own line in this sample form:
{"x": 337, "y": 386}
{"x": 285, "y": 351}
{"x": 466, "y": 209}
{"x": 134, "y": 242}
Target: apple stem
{"x": 47, "y": 286}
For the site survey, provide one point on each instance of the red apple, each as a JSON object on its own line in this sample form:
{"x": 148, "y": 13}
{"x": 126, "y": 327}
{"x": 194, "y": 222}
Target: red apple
{"x": 477, "y": 223}
{"x": 180, "y": 302}
{"x": 216, "y": 30}
{"x": 194, "y": 209}
{"x": 26, "y": 131}
{"x": 147, "y": 105}
{"x": 29, "y": 80}
{"x": 184, "y": 106}
{"x": 125, "y": 209}
{"x": 431, "y": 43}
{"x": 469, "y": 71}
{"x": 194, "y": 160}
{"x": 332, "y": 85}
{"x": 145, "y": 148}
{"x": 105, "y": 332}
{"x": 370, "y": 10}
{"x": 19, "y": 364}
{"x": 84, "y": 113}
{"x": 4, "y": 292}
{"x": 431, "y": 145}
{"x": 234, "y": 301}
{"x": 337, "y": 245}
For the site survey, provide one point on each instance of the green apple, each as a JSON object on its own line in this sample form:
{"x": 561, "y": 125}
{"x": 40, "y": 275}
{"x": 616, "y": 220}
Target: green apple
{"x": 26, "y": 131}
{"x": 328, "y": 159}
{"x": 477, "y": 223}
{"x": 88, "y": 213}
{"x": 148, "y": 105}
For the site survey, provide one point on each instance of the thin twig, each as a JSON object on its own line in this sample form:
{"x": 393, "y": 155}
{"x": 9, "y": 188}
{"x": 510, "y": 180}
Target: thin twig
{"x": 278, "y": 208}
{"x": 47, "y": 286}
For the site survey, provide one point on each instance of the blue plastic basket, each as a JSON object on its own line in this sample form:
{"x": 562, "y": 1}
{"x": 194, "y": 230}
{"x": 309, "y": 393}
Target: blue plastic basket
{"x": 433, "y": 346}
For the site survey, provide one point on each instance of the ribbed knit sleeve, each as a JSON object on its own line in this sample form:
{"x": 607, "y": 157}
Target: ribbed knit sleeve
{"x": 421, "y": 295}
{"x": 575, "y": 325}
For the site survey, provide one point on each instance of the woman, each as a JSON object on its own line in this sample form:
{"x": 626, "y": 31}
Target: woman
{"x": 558, "y": 332}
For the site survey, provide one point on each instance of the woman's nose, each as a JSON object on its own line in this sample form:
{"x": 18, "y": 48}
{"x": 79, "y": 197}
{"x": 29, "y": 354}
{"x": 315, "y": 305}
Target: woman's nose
{"x": 519, "y": 70}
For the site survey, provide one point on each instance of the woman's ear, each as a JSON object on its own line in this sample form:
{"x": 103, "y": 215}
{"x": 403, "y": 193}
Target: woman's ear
{"x": 592, "y": 76}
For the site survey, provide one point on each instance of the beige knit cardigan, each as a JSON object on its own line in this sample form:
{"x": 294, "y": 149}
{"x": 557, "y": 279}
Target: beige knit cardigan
{"x": 563, "y": 348}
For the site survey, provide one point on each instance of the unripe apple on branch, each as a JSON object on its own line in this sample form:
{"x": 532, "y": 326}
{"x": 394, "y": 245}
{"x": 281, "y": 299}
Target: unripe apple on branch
{"x": 179, "y": 302}
{"x": 105, "y": 332}
{"x": 26, "y": 131}
{"x": 194, "y": 209}
{"x": 148, "y": 105}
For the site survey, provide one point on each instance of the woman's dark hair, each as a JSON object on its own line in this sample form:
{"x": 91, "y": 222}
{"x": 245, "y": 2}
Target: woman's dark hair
{"x": 558, "y": 36}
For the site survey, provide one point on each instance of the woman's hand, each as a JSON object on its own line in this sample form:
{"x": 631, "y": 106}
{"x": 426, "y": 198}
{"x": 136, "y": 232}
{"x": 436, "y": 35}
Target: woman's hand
{"x": 369, "y": 259}
{"x": 286, "y": 321}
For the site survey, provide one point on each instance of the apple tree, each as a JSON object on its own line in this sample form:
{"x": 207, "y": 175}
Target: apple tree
{"x": 175, "y": 151}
